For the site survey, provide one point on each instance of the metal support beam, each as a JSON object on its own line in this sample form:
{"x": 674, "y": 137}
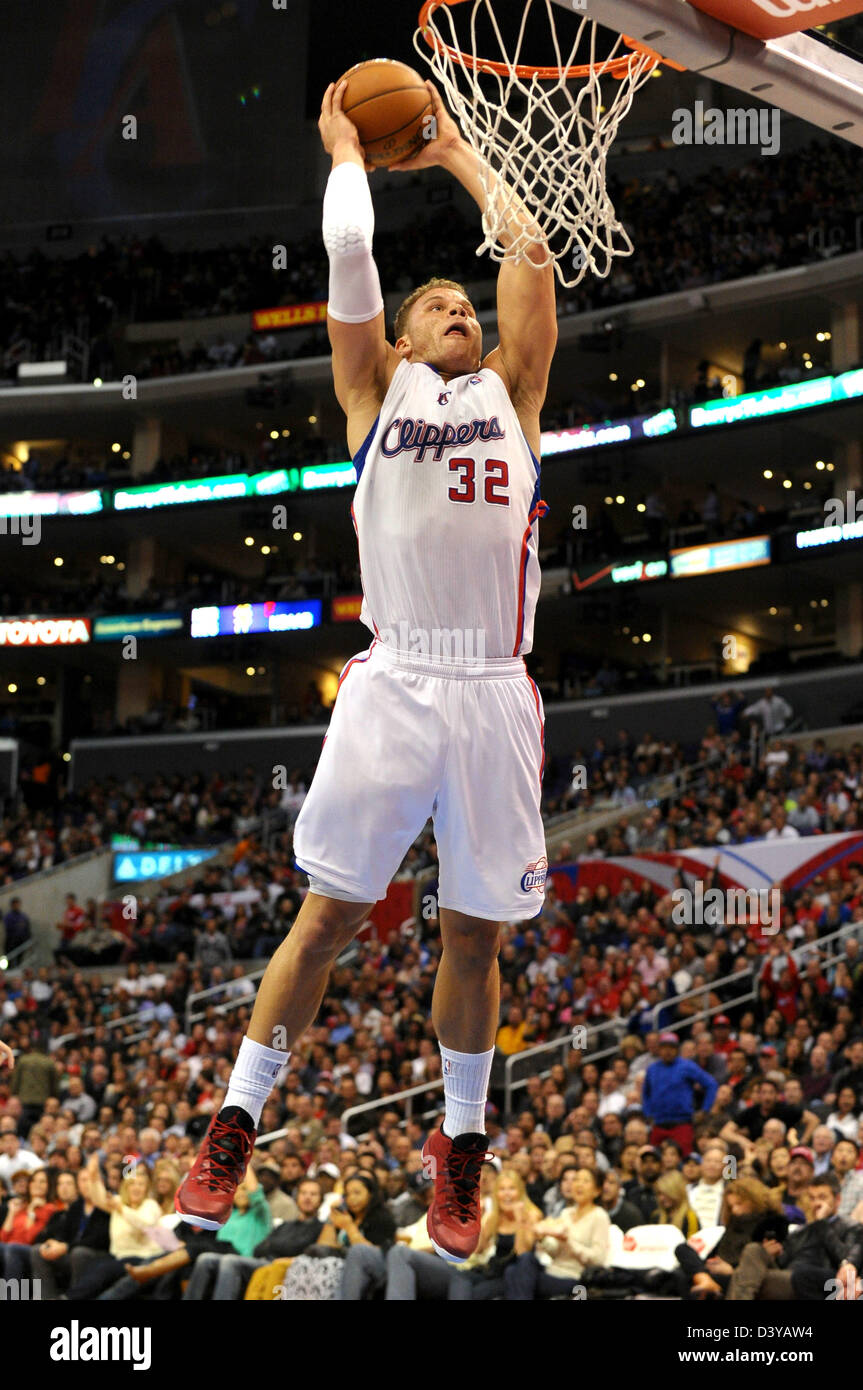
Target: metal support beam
{"x": 798, "y": 73}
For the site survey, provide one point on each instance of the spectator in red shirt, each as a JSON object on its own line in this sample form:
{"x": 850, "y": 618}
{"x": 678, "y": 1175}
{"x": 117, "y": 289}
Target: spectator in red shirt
{"x": 813, "y": 976}
{"x": 609, "y": 999}
{"x": 785, "y": 997}
{"x": 74, "y": 919}
{"x": 27, "y": 1217}
{"x": 723, "y": 1040}
{"x": 779, "y": 963}
{"x": 560, "y": 936}
{"x": 807, "y": 910}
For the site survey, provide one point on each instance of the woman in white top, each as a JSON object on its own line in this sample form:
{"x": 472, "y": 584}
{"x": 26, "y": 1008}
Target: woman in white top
{"x": 133, "y": 1214}
{"x": 577, "y": 1238}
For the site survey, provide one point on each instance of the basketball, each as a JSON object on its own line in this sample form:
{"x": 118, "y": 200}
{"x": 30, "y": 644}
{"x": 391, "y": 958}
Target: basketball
{"x": 387, "y": 102}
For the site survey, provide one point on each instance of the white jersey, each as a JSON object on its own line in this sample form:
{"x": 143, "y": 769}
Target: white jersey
{"x": 446, "y": 513}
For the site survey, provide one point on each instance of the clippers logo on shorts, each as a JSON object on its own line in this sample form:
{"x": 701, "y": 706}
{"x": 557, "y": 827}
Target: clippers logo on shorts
{"x": 534, "y": 876}
{"x": 443, "y": 398}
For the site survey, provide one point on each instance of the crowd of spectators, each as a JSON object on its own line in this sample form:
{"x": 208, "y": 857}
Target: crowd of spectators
{"x": 750, "y": 1117}
{"x": 58, "y": 824}
{"x": 253, "y": 351}
{"x": 88, "y": 468}
{"x": 714, "y": 791}
{"x": 52, "y": 824}
{"x": 666, "y": 517}
{"x": 726, "y": 794}
{"x": 754, "y": 1112}
{"x": 723, "y": 224}
{"x": 100, "y": 590}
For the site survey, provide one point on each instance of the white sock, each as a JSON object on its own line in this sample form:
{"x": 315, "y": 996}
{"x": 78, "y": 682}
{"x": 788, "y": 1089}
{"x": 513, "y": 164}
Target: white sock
{"x": 255, "y": 1073}
{"x": 465, "y": 1089}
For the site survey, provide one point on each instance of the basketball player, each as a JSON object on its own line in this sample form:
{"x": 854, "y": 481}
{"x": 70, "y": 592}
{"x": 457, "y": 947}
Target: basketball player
{"x": 445, "y": 440}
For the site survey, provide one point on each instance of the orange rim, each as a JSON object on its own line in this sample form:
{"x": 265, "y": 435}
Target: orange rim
{"x": 613, "y": 67}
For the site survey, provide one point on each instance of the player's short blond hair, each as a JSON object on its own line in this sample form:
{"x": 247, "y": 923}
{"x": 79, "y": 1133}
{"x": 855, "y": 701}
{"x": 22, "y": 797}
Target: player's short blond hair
{"x": 435, "y": 283}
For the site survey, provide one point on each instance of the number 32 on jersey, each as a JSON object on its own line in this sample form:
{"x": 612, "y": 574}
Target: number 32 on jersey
{"x": 495, "y": 480}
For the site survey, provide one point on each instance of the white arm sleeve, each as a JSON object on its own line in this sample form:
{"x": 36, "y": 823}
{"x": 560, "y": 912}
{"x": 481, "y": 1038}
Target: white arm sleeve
{"x": 348, "y": 225}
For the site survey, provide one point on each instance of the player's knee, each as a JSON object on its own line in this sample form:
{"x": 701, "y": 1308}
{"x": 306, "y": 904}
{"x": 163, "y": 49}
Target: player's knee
{"x": 328, "y": 930}
{"x": 474, "y": 943}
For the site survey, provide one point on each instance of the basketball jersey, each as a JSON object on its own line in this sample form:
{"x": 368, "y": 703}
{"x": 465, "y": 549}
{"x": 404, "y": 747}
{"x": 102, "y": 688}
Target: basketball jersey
{"x": 446, "y": 513}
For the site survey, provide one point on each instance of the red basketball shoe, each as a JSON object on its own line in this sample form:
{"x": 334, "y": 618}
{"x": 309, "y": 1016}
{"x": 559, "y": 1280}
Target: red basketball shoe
{"x": 206, "y": 1194}
{"x": 453, "y": 1218}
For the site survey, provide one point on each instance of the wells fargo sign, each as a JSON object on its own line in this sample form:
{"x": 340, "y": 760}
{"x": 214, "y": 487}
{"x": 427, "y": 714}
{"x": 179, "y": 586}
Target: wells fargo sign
{"x": 289, "y": 316}
{"x": 346, "y": 608}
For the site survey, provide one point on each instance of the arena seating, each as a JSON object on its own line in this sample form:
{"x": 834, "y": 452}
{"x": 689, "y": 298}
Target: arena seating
{"x": 135, "y": 1030}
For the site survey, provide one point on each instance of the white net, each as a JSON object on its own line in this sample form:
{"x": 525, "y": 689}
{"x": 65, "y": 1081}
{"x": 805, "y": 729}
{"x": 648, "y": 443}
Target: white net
{"x": 543, "y": 141}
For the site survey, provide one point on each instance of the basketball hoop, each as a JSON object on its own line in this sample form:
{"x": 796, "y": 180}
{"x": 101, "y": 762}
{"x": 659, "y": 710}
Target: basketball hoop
{"x": 551, "y": 159}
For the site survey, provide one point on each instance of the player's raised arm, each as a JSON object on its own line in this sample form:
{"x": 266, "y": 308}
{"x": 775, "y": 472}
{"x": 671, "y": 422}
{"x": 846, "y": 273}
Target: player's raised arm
{"x": 527, "y": 316}
{"x": 362, "y": 359}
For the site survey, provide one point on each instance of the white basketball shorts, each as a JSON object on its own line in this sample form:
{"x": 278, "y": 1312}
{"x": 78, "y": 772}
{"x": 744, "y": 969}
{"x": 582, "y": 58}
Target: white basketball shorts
{"x": 411, "y": 738}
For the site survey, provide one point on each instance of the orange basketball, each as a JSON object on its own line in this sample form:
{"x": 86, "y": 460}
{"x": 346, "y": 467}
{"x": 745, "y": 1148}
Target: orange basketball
{"x": 387, "y": 102}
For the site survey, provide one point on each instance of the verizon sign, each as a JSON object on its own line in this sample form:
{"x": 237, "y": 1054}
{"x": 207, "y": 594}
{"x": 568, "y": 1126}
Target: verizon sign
{"x": 770, "y": 19}
{"x": 44, "y": 632}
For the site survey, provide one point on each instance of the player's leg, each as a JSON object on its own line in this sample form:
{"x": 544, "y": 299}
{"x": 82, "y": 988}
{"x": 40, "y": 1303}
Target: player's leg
{"x": 465, "y": 1008}
{"x": 288, "y": 999}
{"x": 293, "y": 986}
{"x": 491, "y": 850}
{"x": 370, "y": 797}
{"x": 466, "y": 998}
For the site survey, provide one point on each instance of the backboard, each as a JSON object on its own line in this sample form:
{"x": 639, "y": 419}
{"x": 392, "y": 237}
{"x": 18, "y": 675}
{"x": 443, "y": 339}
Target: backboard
{"x": 804, "y": 73}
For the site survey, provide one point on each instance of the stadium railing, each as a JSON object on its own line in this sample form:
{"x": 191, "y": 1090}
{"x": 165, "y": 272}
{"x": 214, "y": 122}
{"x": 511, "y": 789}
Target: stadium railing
{"x": 751, "y": 977}
{"x": 583, "y": 821}
{"x": 18, "y": 958}
{"x": 192, "y": 1017}
{"x": 345, "y": 958}
{"x": 566, "y": 1041}
{"x": 54, "y": 1043}
{"x": 382, "y": 1103}
{"x": 86, "y": 874}
{"x": 562, "y": 1044}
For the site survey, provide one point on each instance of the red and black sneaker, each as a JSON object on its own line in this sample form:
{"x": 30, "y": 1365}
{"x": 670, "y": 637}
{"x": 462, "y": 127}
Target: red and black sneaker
{"x": 206, "y": 1194}
{"x": 453, "y": 1218}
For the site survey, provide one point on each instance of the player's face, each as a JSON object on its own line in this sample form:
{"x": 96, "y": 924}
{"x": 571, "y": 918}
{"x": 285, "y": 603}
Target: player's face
{"x": 443, "y": 331}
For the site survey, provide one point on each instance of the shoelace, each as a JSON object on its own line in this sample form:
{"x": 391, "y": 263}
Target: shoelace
{"x": 224, "y": 1157}
{"x": 461, "y": 1191}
